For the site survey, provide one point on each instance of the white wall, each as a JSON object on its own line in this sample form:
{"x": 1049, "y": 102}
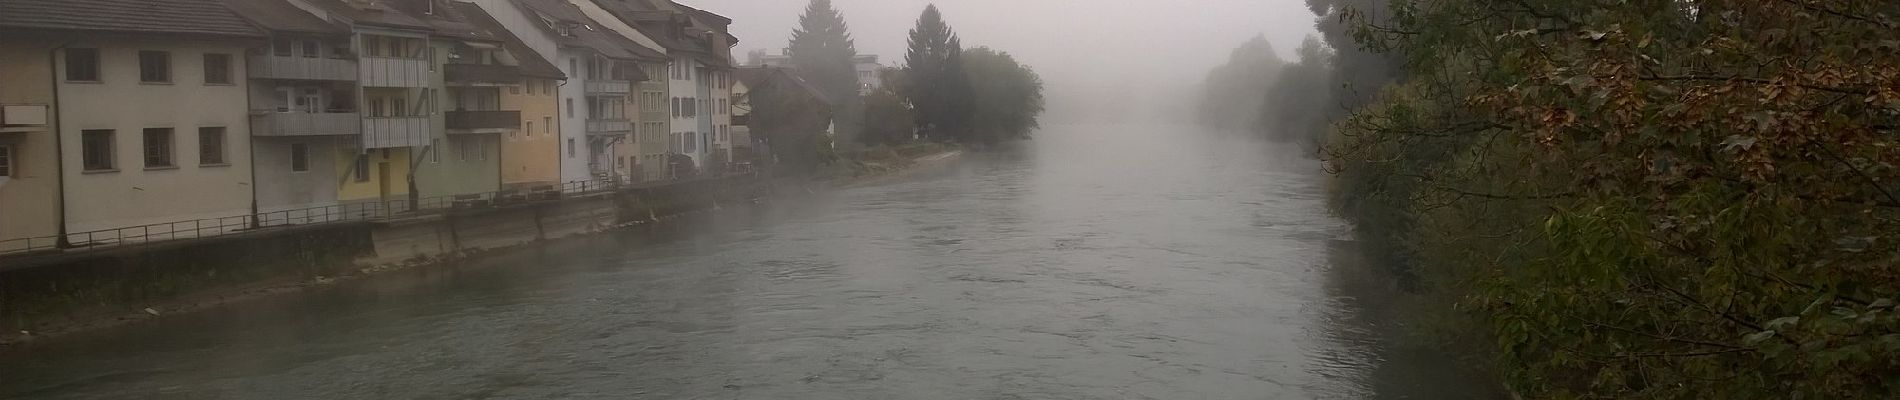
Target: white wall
{"x": 573, "y": 117}
{"x": 526, "y": 27}
{"x": 683, "y": 86}
{"x": 132, "y": 194}
{"x": 279, "y": 188}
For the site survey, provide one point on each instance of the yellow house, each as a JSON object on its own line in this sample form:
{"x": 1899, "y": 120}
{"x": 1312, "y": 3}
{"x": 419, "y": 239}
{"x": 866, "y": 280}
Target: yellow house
{"x": 531, "y": 156}
{"x": 378, "y": 174}
{"x": 29, "y": 171}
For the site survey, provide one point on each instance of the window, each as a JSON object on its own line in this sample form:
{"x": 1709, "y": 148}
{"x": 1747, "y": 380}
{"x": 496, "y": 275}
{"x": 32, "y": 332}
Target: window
{"x": 158, "y": 148}
{"x": 516, "y": 89}
{"x": 570, "y": 107}
{"x": 82, "y": 65}
{"x": 573, "y": 67}
{"x": 547, "y": 125}
{"x": 299, "y": 157}
{"x": 396, "y": 48}
{"x": 676, "y": 107}
{"x": 397, "y": 108}
{"x": 281, "y": 47}
{"x": 376, "y": 107}
{"x": 362, "y": 167}
{"x": 462, "y": 149}
{"x": 218, "y": 69}
{"x": 155, "y": 67}
{"x": 6, "y": 161}
{"x": 211, "y": 146}
{"x": 435, "y": 151}
{"x": 311, "y": 49}
{"x": 527, "y": 127}
{"x": 570, "y": 148}
{"x": 481, "y": 149}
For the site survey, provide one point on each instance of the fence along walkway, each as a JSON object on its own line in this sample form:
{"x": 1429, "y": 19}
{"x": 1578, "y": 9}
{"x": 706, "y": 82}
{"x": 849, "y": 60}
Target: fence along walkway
{"x": 341, "y": 213}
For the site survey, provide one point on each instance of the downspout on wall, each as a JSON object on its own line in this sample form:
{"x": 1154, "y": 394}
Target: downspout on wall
{"x": 59, "y": 138}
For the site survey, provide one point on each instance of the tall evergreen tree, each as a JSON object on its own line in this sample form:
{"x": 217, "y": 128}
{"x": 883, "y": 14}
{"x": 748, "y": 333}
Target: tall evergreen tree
{"x": 823, "y": 53}
{"x": 934, "y": 82}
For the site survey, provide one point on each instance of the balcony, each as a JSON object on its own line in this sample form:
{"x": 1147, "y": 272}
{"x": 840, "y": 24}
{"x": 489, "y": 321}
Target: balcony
{"x": 480, "y": 75}
{"x": 482, "y": 121}
{"x": 276, "y": 124}
{"x": 22, "y": 118}
{"x": 395, "y": 72}
{"x": 608, "y": 87}
{"x": 387, "y": 132}
{"x": 609, "y": 127}
{"x": 305, "y": 68}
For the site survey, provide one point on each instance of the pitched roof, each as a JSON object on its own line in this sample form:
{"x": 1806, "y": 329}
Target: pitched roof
{"x": 281, "y": 16}
{"x": 530, "y": 62}
{"x": 761, "y": 78}
{"x": 446, "y": 19}
{"x": 582, "y": 31}
{"x": 667, "y": 25}
{"x": 193, "y": 17}
{"x": 371, "y": 13}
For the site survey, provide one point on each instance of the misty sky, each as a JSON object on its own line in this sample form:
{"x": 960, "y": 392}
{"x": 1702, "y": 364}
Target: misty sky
{"x": 1077, "y": 45}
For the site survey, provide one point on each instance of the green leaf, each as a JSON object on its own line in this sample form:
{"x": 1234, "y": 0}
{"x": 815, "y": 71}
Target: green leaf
{"x": 1758, "y": 337}
{"x": 1780, "y": 323}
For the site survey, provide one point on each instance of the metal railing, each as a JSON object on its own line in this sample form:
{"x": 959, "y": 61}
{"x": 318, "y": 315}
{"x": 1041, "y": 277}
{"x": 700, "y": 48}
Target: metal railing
{"x": 355, "y": 212}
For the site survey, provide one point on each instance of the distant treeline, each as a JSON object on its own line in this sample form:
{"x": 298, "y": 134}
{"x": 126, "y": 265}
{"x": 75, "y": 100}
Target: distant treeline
{"x": 1640, "y": 199}
{"x": 944, "y": 92}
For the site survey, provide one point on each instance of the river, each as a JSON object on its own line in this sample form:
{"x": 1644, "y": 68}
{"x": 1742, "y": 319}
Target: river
{"x": 1110, "y": 262}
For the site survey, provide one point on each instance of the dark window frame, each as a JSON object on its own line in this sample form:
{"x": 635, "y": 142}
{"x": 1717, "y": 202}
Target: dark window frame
{"x": 6, "y": 160}
{"x": 222, "y": 75}
{"x": 98, "y": 150}
{"x": 299, "y": 157}
{"x": 212, "y": 152}
{"x": 155, "y": 66}
{"x": 159, "y": 153}
{"x": 87, "y": 71}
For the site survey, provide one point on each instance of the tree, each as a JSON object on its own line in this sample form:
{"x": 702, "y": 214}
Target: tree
{"x": 823, "y": 53}
{"x": 888, "y": 120}
{"x": 1646, "y": 199}
{"x": 1232, "y": 96}
{"x": 1299, "y": 103}
{"x": 934, "y": 81}
{"x": 1007, "y": 96}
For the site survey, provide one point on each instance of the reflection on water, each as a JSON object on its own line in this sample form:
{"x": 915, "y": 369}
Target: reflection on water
{"x": 1098, "y": 262}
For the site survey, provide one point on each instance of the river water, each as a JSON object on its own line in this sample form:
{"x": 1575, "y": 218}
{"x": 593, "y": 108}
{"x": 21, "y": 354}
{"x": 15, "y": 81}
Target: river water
{"x": 1097, "y": 262}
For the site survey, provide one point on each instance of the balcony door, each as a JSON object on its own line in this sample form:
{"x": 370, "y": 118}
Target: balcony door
{"x": 306, "y": 100}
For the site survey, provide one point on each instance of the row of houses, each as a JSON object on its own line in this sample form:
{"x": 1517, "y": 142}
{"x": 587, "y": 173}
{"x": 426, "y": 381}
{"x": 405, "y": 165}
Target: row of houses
{"x": 117, "y": 113}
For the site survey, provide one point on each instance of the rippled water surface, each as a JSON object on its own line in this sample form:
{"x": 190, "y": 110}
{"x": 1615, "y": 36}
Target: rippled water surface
{"x": 1098, "y": 262}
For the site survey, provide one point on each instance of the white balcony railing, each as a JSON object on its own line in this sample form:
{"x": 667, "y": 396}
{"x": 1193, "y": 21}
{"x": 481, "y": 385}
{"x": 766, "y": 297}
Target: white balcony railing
{"x": 609, "y": 126}
{"x": 306, "y": 124}
{"x": 395, "y": 72}
{"x": 308, "y": 68}
{"x": 609, "y": 87}
{"x": 387, "y": 132}
{"x": 23, "y": 115}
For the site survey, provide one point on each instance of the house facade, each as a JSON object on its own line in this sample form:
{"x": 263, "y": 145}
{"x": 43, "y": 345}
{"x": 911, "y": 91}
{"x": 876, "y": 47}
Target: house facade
{"x": 151, "y": 112}
{"x": 29, "y": 161}
{"x": 530, "y": 155}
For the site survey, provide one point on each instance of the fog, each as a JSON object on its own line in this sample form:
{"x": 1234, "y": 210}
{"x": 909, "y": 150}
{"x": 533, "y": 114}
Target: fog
{"x": 1100, "y": 58}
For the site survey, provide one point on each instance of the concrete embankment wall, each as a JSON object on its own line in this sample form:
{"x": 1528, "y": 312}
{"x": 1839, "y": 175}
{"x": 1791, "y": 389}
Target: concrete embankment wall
{"x": 47, "y": 292}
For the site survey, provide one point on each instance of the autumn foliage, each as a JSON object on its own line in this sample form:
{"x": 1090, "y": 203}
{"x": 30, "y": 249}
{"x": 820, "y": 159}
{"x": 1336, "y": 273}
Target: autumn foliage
{"x": 1655, "y": 199}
